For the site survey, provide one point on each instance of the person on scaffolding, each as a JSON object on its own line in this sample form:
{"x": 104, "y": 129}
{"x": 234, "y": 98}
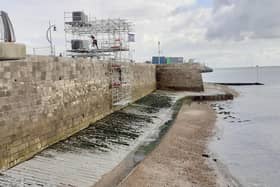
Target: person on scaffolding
{"x": 94, "y": 41}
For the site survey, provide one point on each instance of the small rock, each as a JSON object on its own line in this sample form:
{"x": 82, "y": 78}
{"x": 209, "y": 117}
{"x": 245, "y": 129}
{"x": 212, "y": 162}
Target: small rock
{"x": 206, "y": 155}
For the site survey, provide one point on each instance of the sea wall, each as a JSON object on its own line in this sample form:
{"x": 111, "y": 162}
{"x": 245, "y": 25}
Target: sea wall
{"x": 186, "y": 77}
{"x": 46, "y": 99}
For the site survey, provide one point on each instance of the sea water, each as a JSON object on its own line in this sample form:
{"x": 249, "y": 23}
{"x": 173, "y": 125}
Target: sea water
{"x": 248, "y": 135}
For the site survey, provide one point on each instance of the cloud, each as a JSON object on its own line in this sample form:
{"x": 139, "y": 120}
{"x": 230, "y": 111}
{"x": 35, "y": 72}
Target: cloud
{"x": 182, "y": 9}
{"x": 241, "y": 19}
{"x": 219, "y": 33}
{"x": 152, "y": 19}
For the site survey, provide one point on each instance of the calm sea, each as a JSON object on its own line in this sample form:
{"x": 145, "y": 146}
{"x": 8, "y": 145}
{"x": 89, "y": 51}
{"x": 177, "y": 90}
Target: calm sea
{"x": 248, "y": 136}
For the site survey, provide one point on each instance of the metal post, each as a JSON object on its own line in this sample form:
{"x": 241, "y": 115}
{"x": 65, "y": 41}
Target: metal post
{"x": 51, "y": 43}
{"x": 257, "y": 68}
{"x": 49, "y": 37}
{"x": 158, "y": 52}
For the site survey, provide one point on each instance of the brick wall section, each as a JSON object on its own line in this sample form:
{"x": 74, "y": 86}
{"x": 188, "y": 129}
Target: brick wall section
{"x": 185, "y": 77}
{"x": 47, "y": 99}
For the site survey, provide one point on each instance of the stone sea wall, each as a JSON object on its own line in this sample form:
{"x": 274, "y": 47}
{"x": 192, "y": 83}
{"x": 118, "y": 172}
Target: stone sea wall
{"x": 46, "y": 99}
{"x": 184, "y": 77}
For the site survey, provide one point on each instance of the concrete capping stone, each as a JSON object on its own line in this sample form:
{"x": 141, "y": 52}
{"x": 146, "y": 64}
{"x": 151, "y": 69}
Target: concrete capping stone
{"x": 12, "y": 51}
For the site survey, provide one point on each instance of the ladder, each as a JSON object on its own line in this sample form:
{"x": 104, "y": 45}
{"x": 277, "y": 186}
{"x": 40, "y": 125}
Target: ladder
{"x": 120, "y": 84}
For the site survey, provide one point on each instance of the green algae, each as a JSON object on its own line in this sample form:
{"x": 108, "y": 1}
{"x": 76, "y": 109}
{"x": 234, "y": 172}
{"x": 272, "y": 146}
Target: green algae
{"x": 119, "y": 128}
{"x": 154, "y": 102}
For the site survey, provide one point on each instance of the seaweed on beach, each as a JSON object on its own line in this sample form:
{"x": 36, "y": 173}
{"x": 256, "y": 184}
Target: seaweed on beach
{"x": 154, "y": 102}
{"x": 119, "y": 128}
{"x": 223, "y": 110}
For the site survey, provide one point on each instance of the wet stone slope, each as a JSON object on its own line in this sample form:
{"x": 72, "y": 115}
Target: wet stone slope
{"x": 119, "y": 128}
{"x": 82, "y": 159}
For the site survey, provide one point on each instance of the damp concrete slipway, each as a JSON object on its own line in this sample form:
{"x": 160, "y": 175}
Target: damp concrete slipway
{"x": 126, "y": 136}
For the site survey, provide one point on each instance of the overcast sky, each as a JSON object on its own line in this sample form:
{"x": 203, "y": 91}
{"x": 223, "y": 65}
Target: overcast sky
{"x": 220, "y": 33}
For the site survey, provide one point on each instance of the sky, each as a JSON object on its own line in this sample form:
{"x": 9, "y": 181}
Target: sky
{"x": 219, "y": 33}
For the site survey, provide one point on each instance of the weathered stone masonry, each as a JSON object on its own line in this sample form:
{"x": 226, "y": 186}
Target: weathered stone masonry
{"x": 186, "y": 77}
{"x": 47, "y": 99}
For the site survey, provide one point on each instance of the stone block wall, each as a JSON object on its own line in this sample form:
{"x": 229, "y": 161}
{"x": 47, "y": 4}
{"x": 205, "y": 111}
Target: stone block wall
{"x": 144, "y": 79}
{"x": 46, "y": 99}
{"x": 185, "y": 77}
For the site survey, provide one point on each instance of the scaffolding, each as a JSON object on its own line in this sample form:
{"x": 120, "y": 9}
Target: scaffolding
{"x": 120, "y": 83}
{"x": 112, "y": 37}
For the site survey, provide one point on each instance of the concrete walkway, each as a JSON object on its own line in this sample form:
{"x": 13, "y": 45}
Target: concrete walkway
{"x": 178, "y": 160}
